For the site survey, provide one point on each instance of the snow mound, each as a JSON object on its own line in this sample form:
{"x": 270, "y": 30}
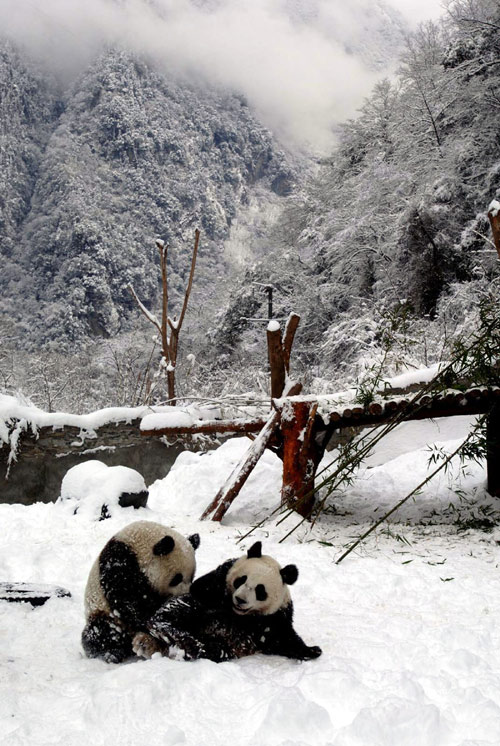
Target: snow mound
{"x": 89, "y": 486}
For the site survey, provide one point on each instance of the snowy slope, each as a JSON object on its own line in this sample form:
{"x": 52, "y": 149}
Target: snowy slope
{"x": 408, "y": 623}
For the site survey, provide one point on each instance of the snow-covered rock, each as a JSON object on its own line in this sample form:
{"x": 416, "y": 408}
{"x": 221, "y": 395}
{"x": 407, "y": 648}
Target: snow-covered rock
{"x": 96, "y": 490}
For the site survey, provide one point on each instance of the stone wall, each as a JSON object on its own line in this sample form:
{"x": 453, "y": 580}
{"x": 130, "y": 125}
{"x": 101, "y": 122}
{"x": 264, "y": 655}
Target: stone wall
{"x": 43, "y": 460}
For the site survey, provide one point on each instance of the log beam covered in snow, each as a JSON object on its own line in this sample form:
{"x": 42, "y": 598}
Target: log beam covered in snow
{"x": 209, "y": 427}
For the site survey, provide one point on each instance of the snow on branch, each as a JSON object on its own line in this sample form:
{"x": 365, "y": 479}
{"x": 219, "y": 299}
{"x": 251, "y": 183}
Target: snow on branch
{"x": 150, "y": 316}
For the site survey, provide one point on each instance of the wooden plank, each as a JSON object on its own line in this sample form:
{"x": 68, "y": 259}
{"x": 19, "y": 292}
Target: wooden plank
{"x": 476, "y": 401}
{"x": 494, "y": 218}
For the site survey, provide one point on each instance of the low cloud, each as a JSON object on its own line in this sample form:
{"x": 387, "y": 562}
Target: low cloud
{"x": 299, "y": 63}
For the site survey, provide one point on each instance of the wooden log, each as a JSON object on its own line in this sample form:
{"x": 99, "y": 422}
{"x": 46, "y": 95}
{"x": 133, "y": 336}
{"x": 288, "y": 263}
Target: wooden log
{"x": 473, "y": 394}
{"x": 301, "y": 456}
{"x": 426, "y": 407}
{"x": 35, "y": 594}
{"x": 230, "y": 489}
{"x": 493, "y": 450}
{"x": 209, "y": 427}
{"x": 494, "y": 218}
{"x": 288, "y": 337}
{"x": 276, "y": 362}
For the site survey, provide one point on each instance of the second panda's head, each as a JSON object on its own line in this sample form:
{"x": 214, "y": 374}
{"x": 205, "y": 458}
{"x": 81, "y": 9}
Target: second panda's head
{"x": 258, "y": 585}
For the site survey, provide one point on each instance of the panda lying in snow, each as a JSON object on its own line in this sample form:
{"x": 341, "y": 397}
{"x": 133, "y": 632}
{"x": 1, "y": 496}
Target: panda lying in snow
{"x": 139, "y": 568}
{"x": 240, "y": 608}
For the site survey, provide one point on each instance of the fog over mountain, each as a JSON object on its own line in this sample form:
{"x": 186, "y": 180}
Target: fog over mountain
{"x": 303, "y": 66}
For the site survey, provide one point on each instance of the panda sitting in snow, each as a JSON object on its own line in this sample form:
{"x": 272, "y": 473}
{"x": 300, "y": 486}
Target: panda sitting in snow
{"x": 139, "y": 568}
{"x": 240, "y": 608}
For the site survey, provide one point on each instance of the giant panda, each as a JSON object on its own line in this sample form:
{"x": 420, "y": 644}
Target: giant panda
{"x": 240, "y": 608}
{"x": 138, "y": 569}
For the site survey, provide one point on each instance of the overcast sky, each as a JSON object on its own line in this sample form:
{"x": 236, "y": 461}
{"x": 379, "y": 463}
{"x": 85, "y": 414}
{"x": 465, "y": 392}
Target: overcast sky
{"x": 418, "y": 10}
{"x": 299, "y": 76}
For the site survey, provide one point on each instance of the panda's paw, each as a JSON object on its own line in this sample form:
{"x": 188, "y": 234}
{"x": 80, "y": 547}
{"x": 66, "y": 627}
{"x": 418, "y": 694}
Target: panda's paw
{"x": 145, "y": 646}
{"x": 313, "y": 652}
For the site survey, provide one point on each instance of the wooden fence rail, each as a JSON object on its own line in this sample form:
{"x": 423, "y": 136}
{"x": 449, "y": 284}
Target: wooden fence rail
{"x": 301, "y": 435}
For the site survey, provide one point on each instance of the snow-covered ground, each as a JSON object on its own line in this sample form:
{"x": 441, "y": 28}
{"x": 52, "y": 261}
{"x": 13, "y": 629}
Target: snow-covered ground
{"x": 408, "y": 623}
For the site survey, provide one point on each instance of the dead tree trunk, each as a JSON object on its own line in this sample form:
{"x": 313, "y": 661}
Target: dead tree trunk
{"x": 169, "y": 329}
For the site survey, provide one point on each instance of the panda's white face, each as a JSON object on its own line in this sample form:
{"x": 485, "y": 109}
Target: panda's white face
{"x": 256, "y": 586}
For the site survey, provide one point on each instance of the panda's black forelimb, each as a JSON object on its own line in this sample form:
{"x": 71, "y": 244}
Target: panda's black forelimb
{"x": 126, "y": 588}
{"x": 103, "y": 639}
{"x": 280, "y": 638}
{"x": 200, "y": 632}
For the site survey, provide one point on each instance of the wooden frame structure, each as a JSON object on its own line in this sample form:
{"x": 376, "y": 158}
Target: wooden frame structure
{"x": 299, "y": 434}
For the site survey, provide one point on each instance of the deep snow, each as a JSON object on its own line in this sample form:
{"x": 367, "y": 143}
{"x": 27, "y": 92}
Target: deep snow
{"x": 408, "y": 623}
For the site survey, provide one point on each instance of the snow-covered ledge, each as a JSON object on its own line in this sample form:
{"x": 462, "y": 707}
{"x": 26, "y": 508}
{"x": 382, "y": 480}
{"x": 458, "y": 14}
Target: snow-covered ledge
{"x": 37, "y": 447}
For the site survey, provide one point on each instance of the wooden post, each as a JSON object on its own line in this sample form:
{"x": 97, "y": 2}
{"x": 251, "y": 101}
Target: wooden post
{"x": 276, "y": 360}
{"x": 493, "y": 450}
{"x": 231, "y": 488}
{"x": 301, "y": 455}
{"x": 279, "y": 350}
{"x": 494, "y": 216}
{"x": 288, "y": 337}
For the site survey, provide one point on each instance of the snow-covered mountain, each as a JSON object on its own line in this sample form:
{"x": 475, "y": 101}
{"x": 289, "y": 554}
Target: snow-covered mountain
{"x": 148, "y": 119}
{"x": 92, "y": 178}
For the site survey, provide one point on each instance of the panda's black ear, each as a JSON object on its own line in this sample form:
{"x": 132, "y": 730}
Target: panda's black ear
{"x": 164, "y": 546}
{"x": 255, "y": 550}
{"x": 194, "y": 540}
{"x": 289, "y": 574}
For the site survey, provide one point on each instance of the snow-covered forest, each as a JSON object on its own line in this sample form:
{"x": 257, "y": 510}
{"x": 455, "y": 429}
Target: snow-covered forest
{"x": 388, "y": 232}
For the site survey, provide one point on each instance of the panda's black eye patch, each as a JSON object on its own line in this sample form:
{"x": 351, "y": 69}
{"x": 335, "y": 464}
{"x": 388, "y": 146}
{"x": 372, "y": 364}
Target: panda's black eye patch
{"x": 260, "y": 592}
{"x": 176, "y": 580}
{"x": 239, "y": 581}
